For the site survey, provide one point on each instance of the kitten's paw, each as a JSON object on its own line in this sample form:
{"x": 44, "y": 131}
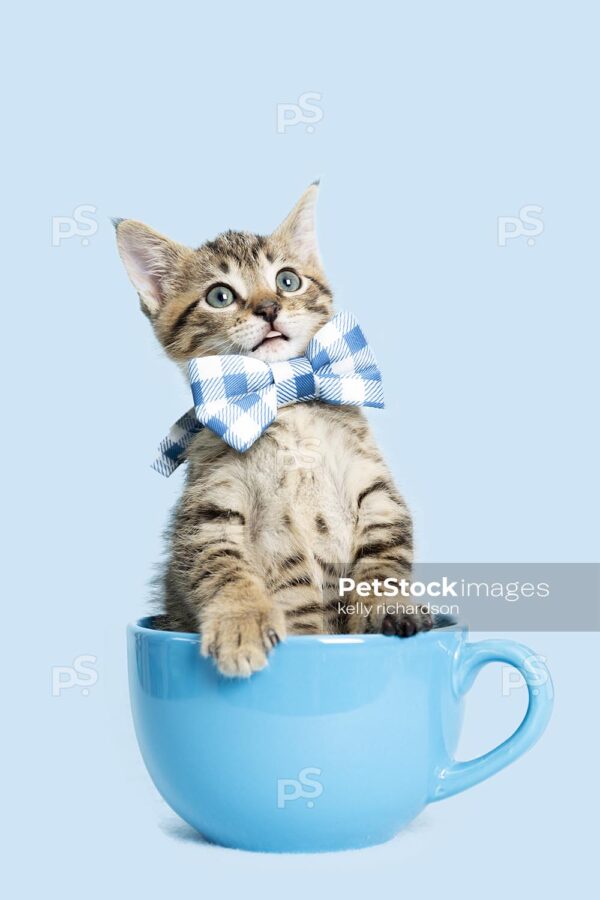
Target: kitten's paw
{"x": 406, "y": 624}
{"x": 240, "y": 644}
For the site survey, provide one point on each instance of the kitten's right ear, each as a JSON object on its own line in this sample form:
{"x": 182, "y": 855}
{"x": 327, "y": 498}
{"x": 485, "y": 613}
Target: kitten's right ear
{"x": 299, "y": 229}
{"x": 150, "y": 260}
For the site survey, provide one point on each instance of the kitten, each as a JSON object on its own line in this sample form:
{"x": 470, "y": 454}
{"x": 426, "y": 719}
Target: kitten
{"x": 259, "y": 539}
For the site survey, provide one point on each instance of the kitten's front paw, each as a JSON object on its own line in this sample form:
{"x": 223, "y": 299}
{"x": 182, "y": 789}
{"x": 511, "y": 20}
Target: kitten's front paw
{"x": 239, "y": 644}
{"x": 406, "y": 624}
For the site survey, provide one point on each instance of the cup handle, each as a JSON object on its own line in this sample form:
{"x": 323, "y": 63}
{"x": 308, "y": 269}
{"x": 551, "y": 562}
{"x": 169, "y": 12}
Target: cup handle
{"x": 458, "y": 776}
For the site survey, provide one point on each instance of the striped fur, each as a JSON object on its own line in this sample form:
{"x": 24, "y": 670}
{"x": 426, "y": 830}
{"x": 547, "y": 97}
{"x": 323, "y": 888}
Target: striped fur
{"x": 259, "y": 540}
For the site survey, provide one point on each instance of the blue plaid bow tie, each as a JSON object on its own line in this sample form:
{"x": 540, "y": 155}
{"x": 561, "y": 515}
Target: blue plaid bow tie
{"x": 237, "y": 396}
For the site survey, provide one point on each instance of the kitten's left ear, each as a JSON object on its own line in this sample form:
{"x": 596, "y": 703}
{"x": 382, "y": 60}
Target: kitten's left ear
{"x": 151, "y": 261}
{"x": 299, "y": 229}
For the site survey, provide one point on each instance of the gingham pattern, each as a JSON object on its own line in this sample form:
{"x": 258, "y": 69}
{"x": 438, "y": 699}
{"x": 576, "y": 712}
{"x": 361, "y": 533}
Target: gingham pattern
{"x": 237, "y": 396}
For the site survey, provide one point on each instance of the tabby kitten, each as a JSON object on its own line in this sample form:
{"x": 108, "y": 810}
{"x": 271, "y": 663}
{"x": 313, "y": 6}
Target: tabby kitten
{"x": 259, "y": 539}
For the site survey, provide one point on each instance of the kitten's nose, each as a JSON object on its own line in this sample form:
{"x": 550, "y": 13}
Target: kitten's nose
{"x": 268, "y": 310}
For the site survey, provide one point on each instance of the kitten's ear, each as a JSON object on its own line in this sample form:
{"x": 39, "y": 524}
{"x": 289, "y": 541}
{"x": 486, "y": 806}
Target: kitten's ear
{"x": 299, "y": 229}
{"x": 150, "y": 260}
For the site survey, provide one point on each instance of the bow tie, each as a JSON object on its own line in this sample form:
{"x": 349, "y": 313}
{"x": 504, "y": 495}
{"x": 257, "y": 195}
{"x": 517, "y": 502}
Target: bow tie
{"x": 237, "y": 397}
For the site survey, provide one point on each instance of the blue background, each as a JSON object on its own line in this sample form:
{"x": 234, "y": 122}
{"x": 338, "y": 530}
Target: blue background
{"x": 437, "y": 119}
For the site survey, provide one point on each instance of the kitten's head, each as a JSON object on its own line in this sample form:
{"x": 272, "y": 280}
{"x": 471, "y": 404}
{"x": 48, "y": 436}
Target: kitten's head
{"x": 241, "y": 293}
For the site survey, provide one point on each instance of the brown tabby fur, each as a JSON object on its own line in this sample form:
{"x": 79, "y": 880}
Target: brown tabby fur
{"x": 259, "y": 540}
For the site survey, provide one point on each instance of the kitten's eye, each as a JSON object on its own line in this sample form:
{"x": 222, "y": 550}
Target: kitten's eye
{"x": 220, "y": 296}
{"x": 287, "y": 280}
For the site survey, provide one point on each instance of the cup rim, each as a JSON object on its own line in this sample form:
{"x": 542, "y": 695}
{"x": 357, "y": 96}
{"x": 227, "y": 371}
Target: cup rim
{"x": 141, "y": 626}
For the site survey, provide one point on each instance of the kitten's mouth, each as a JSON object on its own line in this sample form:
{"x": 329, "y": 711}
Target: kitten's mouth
{"x": 270, "y": 338}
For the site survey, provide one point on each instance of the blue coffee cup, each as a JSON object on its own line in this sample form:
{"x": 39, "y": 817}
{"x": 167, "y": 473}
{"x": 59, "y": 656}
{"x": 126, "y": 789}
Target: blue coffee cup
{"x": 338, "y": 744}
